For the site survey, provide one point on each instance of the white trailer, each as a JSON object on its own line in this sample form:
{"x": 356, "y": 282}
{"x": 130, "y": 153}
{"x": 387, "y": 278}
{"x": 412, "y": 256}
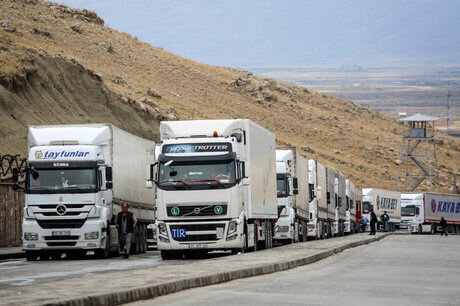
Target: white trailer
{"x": 354, "y": 195}
{"x": 216, "y": 184}
{"x": 317, "y": 225}
{"x": 292, "y": 191}
{"x": 422, "y": 212}
{"x": 77, "y": 178}
{"x": 382, "y": 201}
{"x": 340, "y": 208}
{"x": 331, "y": 198}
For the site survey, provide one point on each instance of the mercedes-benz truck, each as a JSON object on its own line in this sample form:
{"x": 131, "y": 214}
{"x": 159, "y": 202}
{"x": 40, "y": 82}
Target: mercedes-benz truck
{"x": 292, "y": 191}
{"x": 318, "y": 223}
{"x": 216, "y": 187}
{"x": 382, "y": 201}
{"x": 77, "y": 178}
{"x": 422, "y": 212}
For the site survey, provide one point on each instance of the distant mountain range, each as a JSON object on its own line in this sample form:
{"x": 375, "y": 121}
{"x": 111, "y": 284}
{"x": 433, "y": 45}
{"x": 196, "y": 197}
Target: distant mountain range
{"x": 274, "y": 33}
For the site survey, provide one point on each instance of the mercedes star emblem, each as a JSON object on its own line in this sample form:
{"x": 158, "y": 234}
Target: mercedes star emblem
{"x": 61, "y": 209}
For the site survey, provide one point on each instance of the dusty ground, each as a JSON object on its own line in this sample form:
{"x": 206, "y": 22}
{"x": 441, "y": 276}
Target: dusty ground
{"x": 62, "y": 65}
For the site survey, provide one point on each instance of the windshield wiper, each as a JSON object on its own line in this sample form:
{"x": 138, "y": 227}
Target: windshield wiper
{"x": 176, "y": 181}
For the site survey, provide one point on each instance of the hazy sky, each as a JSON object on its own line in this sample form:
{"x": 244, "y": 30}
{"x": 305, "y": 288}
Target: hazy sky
{"x": 274, "y": 33}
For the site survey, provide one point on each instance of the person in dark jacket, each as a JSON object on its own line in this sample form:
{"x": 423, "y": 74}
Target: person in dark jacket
{"x": 385, "y": 218}
{"x": 373, "y": 220}
{"x": 443, "y": 224}
{"x": 126, "y": 223}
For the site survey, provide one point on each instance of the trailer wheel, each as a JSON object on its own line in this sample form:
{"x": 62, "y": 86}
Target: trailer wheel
{"x": 303, "y": 224}
{"x": 433, "y": 229}
{"x": 31, "y": 255}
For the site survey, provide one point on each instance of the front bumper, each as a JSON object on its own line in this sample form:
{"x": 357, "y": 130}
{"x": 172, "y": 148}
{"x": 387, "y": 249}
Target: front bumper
{"x": 217, "y": 240}
{"x": 47, "y": 240}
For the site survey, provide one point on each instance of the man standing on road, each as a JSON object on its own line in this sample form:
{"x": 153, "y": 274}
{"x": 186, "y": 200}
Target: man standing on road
{"x": 363, "y": 224}
{"x": 125, "y": 223}
{"x": 385, "y": 218}
{"x": 443, "y": 224}
{"x": 373, "y": 220}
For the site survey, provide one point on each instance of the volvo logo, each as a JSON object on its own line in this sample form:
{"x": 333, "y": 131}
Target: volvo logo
{"x": 197, "y": 210}
{"x": 61, "y": 209}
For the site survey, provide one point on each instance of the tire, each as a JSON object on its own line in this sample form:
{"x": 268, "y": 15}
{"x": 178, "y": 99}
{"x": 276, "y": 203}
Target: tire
{"x": 420, "y": 231}
{"x": 167, "y": 255}
{"x": 256, "y": 242}
{"x": 31, "y": 255}
{"x": 433, "y": 229}
{"x": 323, "y": 229}
{"x": 56, "y": 255}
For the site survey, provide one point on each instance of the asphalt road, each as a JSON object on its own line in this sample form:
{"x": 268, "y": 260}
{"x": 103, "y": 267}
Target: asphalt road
{"x": 20, "y": 272}
{"x": 398, "y": 270}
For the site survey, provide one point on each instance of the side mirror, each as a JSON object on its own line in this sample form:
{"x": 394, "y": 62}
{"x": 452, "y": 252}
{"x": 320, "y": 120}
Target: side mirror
{"x": 109, "y": 185}
{"x": 149, "y": 184}
{"x": 108, "y": 174}
{"x": 295, "y": 184}
{"x": 296, "y": 191}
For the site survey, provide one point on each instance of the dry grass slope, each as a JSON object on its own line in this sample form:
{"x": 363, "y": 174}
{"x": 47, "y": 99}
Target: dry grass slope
{"x": 64, "y": 65}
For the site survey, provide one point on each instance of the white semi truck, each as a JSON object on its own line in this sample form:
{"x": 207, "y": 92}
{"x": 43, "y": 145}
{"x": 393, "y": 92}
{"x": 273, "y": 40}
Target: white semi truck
{"x": 216, "y": 183}
{"x": 77, "y": 178}
{"x": 340, "y": 207}
{"x": 292, "y": 191}
{"x": 422, "y": 212}
{"x": 382, "y": 200}
{"x": 354, "y": 195}
{"x": 318, "y": 223}
{"x": 331, "y": 198}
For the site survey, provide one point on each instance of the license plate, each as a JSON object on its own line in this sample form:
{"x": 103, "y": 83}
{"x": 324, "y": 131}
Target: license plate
{"x": 178, "y": 233}
{"x": 60, "y": 233}
{"x": 197, "y": 246}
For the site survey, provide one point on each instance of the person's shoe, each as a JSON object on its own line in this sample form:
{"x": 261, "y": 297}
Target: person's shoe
{"x": 125, "y": 256}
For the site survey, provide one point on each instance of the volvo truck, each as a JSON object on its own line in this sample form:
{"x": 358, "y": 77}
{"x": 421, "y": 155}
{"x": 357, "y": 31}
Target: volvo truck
{"x": 422, "y": 212}
{"x": 382, "y": 201}
{"x": 292, "y": 192}
{"x": 318, "y": 223}
{"x": 77, "y": 178}
{"x": 216, "y": 187}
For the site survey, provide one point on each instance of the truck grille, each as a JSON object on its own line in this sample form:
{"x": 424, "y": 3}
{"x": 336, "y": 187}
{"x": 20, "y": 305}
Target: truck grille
{"x": 197, "y": 210}
{"x": 49, "y": 206}
{"x": 68, "y": 213}
{"x": 190, "y": 228}
{"x": 62, "y": 223}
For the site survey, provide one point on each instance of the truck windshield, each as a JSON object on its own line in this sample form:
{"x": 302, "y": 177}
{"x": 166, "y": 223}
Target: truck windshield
{"x": 183, "y": 175}
{"x": 281, "y": 187}
{"x": 62, "y": 181}
{"x": 408, "y": 210}
{"x": 366, "y": 206}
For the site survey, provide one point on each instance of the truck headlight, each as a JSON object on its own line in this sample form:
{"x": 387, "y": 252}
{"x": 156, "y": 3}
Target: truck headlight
{"x": 231, "y": 232}
{"x": 91, "y": 235}
{"x": 163, "y": 232}
{"x": 30, "y": 236}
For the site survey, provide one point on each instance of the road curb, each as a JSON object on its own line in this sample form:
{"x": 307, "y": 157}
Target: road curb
{"x": 12, "y": 255}
{"x": 152, "y": 291}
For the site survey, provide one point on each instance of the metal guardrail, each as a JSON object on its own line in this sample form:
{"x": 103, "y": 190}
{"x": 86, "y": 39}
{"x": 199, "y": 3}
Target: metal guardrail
{"x": 9, "y": 163}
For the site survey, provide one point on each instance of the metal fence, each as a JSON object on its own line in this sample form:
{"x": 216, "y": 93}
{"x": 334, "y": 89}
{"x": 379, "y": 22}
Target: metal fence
{"x": 11, "y": 202}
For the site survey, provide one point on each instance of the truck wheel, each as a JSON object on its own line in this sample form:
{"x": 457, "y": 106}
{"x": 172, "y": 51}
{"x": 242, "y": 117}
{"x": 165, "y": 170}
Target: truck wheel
{"x": 419, "y": 229}
{"x": 166, "y": 255}
{"x": 304, "y": 231}
{"x": 56, "y": 255}
{"x": 433, "y": 229}
{"x": 31, "y": 255}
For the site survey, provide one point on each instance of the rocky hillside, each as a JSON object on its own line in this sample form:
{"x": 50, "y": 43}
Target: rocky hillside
{"x": 61, "y": 65}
